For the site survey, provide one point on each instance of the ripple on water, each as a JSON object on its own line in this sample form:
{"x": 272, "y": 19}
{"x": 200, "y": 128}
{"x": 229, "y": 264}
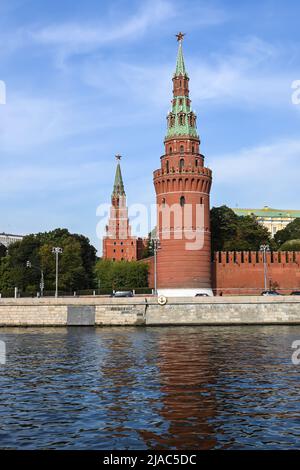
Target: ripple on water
{"x": 158, "y": 388}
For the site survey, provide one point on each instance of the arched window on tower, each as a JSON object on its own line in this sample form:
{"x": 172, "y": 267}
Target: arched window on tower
{"x": 182, "y": 119}
{"x": 167, "y": 166}
{"x": 181, "y": 149}
{"x": 182, "y": 201}
{"x": 196, "y": 162}
{"x": 170, "y": 149}
{"x": 181, "y": 164}
{"x": 163, "y": 202}
{"x": 193, "y": 149}
{"x": 171, "y": 120}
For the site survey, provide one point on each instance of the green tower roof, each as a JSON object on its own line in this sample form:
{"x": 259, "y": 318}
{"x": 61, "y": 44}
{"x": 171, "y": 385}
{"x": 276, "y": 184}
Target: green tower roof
{"x": 181, "y": 118}
{"x": 118, "y": 184}
{"x": 180, "y": 67}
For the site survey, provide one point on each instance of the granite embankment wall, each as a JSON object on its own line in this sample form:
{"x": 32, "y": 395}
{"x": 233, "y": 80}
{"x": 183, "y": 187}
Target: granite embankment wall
{"x": 88, "y": 311}
{"x": 178, "y": 311}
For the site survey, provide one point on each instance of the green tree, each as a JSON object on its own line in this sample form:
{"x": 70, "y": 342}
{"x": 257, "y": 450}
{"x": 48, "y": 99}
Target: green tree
{"x": 223, "y": 226}
{"x": 231, "y": 232}
{"x": 290, "y": 232}
{"x": 88, "y": 257}
{"x": 5, "y": 281}
{"x": 148, "y": 250}
{"x": 3, "y": 250}
{"x": 121, "y": 274}
{"x": 76, "y": 263}
{"x": 250, "y": 234}
{"x": 290, "y": 245}
{"x": 103, "y": 273}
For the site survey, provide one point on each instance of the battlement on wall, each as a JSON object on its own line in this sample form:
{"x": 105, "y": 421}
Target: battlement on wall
{"x": 243, "y": 272}
{"x": 256, "y": 257}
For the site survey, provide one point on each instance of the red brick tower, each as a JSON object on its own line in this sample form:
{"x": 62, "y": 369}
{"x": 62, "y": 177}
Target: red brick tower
{"x": 182, "y": 186}
{"x": 118, "y": 244}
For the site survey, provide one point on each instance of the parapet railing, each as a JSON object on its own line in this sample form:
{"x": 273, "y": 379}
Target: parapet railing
{"x": 12, "y": 293}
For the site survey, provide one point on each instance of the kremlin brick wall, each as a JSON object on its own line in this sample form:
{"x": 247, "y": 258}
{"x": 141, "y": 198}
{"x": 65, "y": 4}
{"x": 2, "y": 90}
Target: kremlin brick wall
{"x": 240, "y": 273}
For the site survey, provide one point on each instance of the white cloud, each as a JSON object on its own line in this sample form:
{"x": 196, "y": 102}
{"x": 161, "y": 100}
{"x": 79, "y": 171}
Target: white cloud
{"x": 269, "y": 172}
{"x": 29, "y": 178}
{"x": 76, "y": 36}
{"x": 29, "y": 121}
{"x": 143, "y": 84}
{"x": 245, "y": 76}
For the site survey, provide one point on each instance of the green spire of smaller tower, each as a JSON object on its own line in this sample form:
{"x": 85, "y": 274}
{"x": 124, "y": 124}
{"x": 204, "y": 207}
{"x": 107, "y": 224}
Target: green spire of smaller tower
{"x": 180, "y": 67}
{"x": 118, "y": 184}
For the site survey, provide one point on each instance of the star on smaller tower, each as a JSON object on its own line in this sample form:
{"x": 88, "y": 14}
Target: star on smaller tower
{"x": 118, "y": 157}
{"x": 180, "y": 36}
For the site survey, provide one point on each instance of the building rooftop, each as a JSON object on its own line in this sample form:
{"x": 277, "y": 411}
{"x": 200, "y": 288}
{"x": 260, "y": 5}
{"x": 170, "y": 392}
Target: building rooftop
{"x": 268, "y": 212}
{"x": 3, "y": 234}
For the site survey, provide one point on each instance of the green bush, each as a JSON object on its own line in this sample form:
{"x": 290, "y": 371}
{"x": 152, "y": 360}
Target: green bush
{"x": 290, "y": 245}
{"x": 290, "y": 233}
{"x": 121, "y": 275}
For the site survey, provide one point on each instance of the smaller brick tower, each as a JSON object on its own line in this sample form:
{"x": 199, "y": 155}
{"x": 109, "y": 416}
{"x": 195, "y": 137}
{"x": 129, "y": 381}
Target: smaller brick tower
{"x": 118, "y": 244}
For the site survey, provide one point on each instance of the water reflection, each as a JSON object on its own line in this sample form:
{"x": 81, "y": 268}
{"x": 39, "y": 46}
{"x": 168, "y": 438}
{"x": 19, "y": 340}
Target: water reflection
{"x": 135, "y": 388}
{"x": 188, "y": 404}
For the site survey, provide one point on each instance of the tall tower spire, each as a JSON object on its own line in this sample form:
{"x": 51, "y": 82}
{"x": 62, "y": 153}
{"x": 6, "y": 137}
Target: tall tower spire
{"x": 182, "y": 186}
{"x": 118, "y": 184}
{"x": 180, "y": 67}
{"x": 181, "y": 119}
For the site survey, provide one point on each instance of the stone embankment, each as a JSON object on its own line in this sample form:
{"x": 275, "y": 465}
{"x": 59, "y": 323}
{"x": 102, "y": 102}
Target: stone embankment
{"x": 99, "y": 311}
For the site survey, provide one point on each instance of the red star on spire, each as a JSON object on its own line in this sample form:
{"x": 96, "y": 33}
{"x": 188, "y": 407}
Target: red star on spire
{"x": 180, "y": 36}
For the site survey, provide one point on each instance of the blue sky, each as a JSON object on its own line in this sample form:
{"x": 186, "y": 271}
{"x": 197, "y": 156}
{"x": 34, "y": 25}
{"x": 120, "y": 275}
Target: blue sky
{"x": 88, "y": 79}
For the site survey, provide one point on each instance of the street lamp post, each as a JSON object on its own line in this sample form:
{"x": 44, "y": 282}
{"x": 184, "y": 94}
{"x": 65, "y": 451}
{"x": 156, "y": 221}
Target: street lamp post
{"x": 156, "y": 247}
{"x": 264, "y": 249}
{"x": 42, "y": 283}
{"x": 56, "y": 251}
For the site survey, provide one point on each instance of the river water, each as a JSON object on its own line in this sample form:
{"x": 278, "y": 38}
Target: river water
{"x": 150, "y": 388}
